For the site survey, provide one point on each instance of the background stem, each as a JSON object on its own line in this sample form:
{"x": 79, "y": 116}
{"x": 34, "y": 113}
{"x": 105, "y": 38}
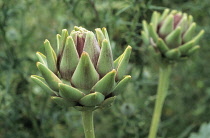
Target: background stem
{"x": 164, "y": 74}
{"x": 87, "y": 118}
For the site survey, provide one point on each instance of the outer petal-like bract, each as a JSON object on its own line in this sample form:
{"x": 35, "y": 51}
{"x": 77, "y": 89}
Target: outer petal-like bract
{"x": 92, "y": 99}
{"x": 61, "y": 42}
{"x": 85, "y": 75}
{"x": 41, "y": 82}
{"x": 107, "y": 80}
{"x": 42, "y": 58}
{"x": 91, "y": 47}
{"x": 120, "y": 86}
{"x": 69, "y": 59}
{"x": 51, "y": 56}
{"x": 123, "y": 63}
{"x": 49, "y": 76}
{"x": 62, "y": 102}
{"x": 69, "y": 92}
{"x": 105, "y": 61}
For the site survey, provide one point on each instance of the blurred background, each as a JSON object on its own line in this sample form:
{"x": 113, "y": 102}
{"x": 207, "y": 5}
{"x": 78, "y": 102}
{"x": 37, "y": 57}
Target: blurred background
{"x": 26, "y": 111}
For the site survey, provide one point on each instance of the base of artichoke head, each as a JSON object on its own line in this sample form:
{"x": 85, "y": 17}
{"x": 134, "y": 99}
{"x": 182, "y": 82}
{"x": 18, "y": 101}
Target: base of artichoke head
{"x": 87, "y": 119}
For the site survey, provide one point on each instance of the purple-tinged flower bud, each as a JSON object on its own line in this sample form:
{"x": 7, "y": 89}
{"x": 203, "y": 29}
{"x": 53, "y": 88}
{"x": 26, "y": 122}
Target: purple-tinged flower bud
{"x": 172, "y": 34}
{"x": 86, "y": 63}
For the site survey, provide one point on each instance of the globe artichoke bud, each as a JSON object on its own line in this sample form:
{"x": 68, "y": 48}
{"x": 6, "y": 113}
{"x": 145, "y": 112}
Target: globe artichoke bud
{"x": 172, "y": 34}
{"x": 82, "y": 73}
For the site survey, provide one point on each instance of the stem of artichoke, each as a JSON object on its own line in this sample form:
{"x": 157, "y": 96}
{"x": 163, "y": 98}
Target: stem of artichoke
{"x": 164, "y": 74}
{"x": 87, "y": 118}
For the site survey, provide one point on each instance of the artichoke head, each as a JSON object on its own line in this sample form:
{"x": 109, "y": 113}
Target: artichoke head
{"x": 172, "y": 35}
{"x": 82, "y": 74}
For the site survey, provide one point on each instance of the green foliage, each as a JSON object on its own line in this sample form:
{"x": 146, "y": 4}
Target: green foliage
{"x": 27, "y": 111}
{"x": 204, "y": 131}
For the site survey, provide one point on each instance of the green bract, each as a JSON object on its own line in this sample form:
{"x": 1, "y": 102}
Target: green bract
{"x": 86, "y": 64}
{"x": 172, "y": 34}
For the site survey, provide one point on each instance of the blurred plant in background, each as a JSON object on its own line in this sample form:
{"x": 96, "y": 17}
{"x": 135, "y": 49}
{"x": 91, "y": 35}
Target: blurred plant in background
{"x": 204, "y": 131}
{"x": 173, "y": 38}
{"x": 26, "y": 110}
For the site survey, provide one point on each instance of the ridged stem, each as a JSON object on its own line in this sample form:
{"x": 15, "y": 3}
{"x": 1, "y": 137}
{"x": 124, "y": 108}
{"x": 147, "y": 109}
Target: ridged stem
{"x": 87, "y": 118}
{"x": 164, "y": 74}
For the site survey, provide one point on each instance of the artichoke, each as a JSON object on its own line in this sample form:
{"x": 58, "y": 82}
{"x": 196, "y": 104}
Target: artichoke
{"x": 82, "y": 74}
{"x": 172, "y": 34}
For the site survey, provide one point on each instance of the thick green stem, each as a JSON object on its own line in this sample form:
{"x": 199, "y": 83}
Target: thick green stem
{"x": 164, "y": 74}
{"x": 87, "y": 118}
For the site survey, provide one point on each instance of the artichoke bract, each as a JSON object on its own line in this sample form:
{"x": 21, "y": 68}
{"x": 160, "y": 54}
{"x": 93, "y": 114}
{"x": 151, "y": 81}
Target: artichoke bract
{"x": 82, "y": 73}
{"x": 172, "y": 34}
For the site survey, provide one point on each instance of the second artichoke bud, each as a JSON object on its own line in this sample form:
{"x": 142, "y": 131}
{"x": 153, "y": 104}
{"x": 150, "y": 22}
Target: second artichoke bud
{"x": 172, "y": 34}
{"x": 86, "y": 63}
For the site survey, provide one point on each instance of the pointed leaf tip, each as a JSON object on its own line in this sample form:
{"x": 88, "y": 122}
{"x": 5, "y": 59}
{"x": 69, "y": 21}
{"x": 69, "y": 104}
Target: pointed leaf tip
{"x": 62, "y": 102}
{"x": 189, "y": 33}
{"x": 64, "y": 30}
{"x": 121, "y": 69}
{"x": 173, "y": 54}
{"x": 104, "y": 30}
{"x": 61, "y": 41}
{"x": 145, "y": 27}
{"x": 163, "y": 48}
{"x": 92, "y": 99}
{"x": 174, "y": 38}
{"x": 155, "y": 19}
{"x": 51, "y": 79}
{"x": 185, "y": 47}
{"x": 107, "y": 102}
{"x": 40, "y": 54}
{"x": 164, "y": 15}
{"x": 167, "y": 26}
{"x": 70, "y": 93}
{"x": 121, "y": 85}
{"x": 85, "y": 75}
{"x": 106, "y": 84}
{"x": 42, "y": 58}
{"x": 91, "y": 46}
{"x": 69, "y": 59}
{"x": 50, "y": 56}
{"x": 105, "y": 62}
{"x": 100, "y": 36}
{"x": 193, "y": 50}
{"x": 198, "y": 36}
{"x": 38, "y": 63}
{"x": 41, "y": 82}
{"x": 152, "y": 32}
{"x": 46, "y": 41}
